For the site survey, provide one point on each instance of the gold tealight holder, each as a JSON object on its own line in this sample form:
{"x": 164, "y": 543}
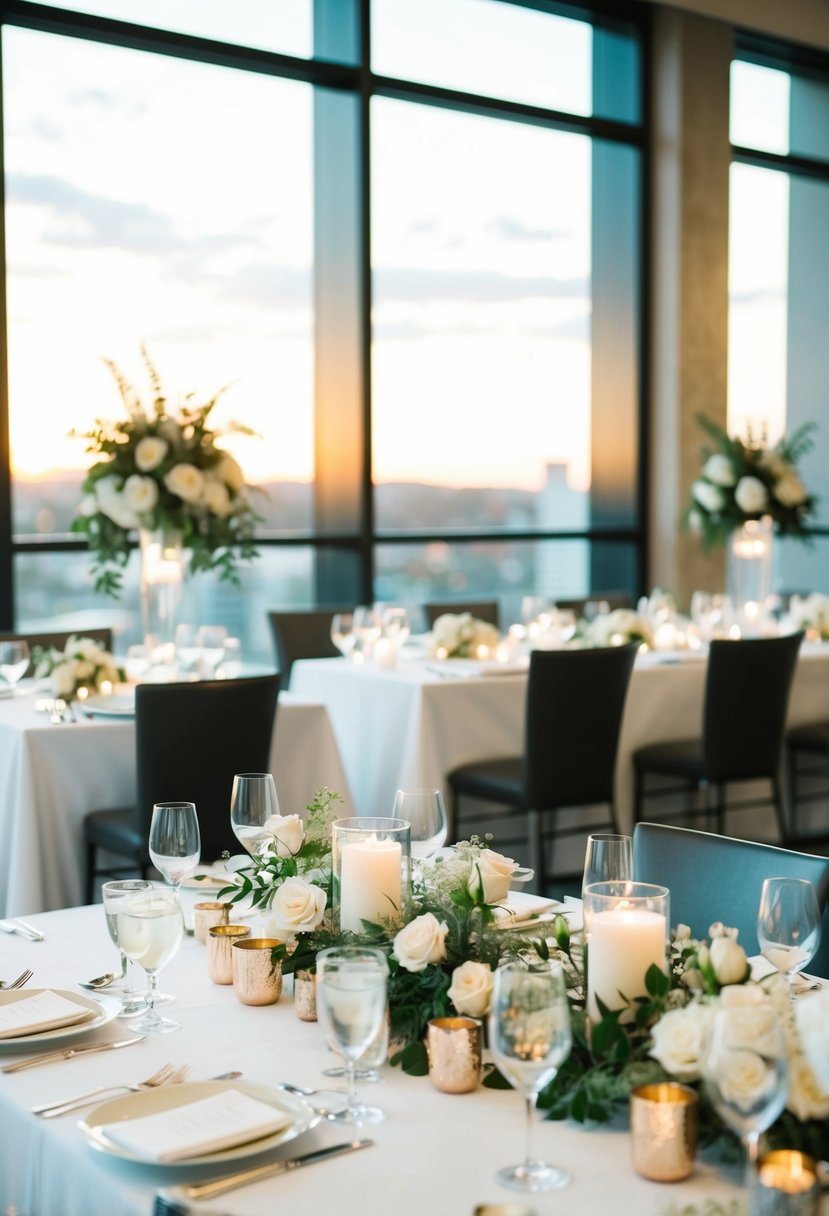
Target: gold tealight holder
{"x": 257, "y": 970}
{"x": 786, "y": 1185}
{"x": 454, "y": 1047}
{"x": 663, "y": 1130}
{"x": 207, "y": 914}
{"x": 219, "y": 941}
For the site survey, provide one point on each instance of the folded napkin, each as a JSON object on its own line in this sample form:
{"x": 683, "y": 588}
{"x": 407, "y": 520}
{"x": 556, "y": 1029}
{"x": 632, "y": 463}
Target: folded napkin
{"x": 221, "y": 1121}
{"x": 42, "y": 1011}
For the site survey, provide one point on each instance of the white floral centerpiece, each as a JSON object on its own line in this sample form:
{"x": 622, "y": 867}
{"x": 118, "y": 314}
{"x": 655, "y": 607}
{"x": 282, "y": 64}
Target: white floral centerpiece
{"x": 83, "y": 664}
{"x": 162, "y": 469}
{"x": 463, "y": 636}
{"x": 617, "y": 628}
{"x": 811, "y": 613}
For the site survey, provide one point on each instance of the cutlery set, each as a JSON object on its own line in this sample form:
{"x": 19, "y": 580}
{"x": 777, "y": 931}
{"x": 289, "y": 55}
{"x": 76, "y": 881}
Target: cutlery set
{"x": 22, "y": 929}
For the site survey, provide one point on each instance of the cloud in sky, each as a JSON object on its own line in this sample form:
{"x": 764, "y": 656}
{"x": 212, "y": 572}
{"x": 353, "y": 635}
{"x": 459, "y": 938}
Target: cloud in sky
{"x": 507, "y": 228}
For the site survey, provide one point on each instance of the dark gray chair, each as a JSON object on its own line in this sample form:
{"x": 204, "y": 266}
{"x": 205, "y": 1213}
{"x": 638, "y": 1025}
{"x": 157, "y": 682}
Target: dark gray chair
{"x": 714, "y": 877}
{"x": 744, "y": 715}
{"x": 575, "y": 701}
{"x": 190, "y": 741}
{"x": 807, "y": 749}
{"x": 304, "y": 634}
{"x": 482, "y": 610}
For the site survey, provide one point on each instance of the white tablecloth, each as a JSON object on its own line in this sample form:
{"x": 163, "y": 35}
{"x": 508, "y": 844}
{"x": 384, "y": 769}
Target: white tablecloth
{"x": 51, "y": 775}
{"x": 435, "y": 1154}
{"x": 408, "y": 727}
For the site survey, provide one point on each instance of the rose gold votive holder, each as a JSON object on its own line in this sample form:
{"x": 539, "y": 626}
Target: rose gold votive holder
{"x": 305, "y": 996}
{"x": 454, "y": 1047}
{"x": 207, "y": 914}
{"x": 257, "y": 970}
{"x": 786, "y": 1184}
{"x": 663, "y": 1131}
{"x": 219, "y": 940}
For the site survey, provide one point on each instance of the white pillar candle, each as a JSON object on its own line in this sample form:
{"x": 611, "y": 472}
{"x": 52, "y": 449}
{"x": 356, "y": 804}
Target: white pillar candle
{"x": 370, "y": 885}
{"x": 624, "y": 942}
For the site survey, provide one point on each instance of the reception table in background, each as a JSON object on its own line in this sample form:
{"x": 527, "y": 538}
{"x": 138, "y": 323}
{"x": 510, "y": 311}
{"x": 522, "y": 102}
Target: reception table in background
{"x": 435, "y": 1153}
{"x": 52, "y": 774}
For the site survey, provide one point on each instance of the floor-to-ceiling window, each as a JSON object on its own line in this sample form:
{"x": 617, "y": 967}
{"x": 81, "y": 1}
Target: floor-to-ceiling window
{"x": 406, "y": 234}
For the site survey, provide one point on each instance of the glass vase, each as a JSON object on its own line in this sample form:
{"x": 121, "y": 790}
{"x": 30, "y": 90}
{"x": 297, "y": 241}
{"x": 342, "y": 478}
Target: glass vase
{"x": 626, "y": 927}
{"x": 162, "y": 578}
{"x": 372, "y": 872}
{"x": 749, "y": 572}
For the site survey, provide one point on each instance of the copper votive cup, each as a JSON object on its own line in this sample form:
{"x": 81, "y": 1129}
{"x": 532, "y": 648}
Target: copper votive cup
{"x": 454, "y": 1047}
{"x": 257, "y": 971}
{"x": 663, "y": 1130}
{"x": 786, "y": 1184}
{"x": 207, "y": 914}
{"x": 305, "y": 995}
{"x": 219, "y": 940}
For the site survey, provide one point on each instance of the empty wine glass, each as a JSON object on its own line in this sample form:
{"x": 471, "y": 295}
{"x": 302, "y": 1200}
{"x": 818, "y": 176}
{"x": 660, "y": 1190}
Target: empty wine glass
{"x": 530, "y": 1037}
{"x": 175, "y": 841}
{"x": 150, "y": 928}
{"x": 607, "y": 858}
{"x": 746, "y": 1071}
{"x": 396, "y": 625}
{"x": 367, "y": 627}
{"x": 253, "y": 801}
{"x": 188, "y": 650}
{"x": 342, "y": 632}
{"x": 210, "y": 640}
{"x": 114, "y": 895}
{"x": 351, "y": 1006}
{"x": 788, "y": 923}
{"x": 231, "y": 664}
{"x": 425, "y": 811}
{"x": 14, "y": 660}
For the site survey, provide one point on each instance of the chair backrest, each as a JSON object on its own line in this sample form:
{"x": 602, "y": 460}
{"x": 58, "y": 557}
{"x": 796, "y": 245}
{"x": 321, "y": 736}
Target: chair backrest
{"x": 720, "y": 878}
{"x": 59, "y": 640}
{"x": 190, "y": 741}
{"x": 302, "y": 635}
{"x": 482, "y": 610}
{"x": 575, "y": 701}
{"x": 746, "y": 699}
{"x": 614, "y": 600}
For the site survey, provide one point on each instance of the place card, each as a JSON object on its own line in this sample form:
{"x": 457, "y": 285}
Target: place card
{"x": 221, "y": 1121}
{"x": 42, "y": 1011}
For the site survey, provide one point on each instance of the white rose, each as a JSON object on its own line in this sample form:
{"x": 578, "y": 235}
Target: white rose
{"x": 112, "y": 504}
{"x": 170, "y": 430}
{"x": 486, "y": 635}
{"x": 707, "y": 495}
{"x": 63, "y": 680}
{"x": 695, "y": 521}
{"x": 744, "y": 1077}
{"x": 751, "y": 495}
{"x": 790, "y": 490}
{"x": 471, "y": 988}
{"x": 216, "y": 496}
{"x": 493, "y": 873}
{"x": 728, "y": 958}
{"x": 88, "y": 506}
{"x": 421, "y": 942}
{"x": 149, "y": 453}
{"x": 679, "y": 1040}
{"x": 446, "y": 631}
{"x": 186, "y": 481}
{"x": 719, "y": 469}
{"x": 288, "y": 833}
{"x": 812, "y": 1019}
{"x": 230, "y": 472}
{"x": 140, "y": 493}
{"x": 298, "y": 906}
{"x": 751, "y": 1021}
{"x": 805, "y": 1098}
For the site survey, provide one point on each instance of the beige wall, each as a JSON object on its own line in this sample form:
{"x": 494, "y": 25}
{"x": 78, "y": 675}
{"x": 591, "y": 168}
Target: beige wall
{"x": 798, "y": 20}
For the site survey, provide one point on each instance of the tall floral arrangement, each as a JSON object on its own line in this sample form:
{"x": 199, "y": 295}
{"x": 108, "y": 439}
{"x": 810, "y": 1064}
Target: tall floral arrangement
{"x": 744, "y": 479}
{"x": 161, "y": 467}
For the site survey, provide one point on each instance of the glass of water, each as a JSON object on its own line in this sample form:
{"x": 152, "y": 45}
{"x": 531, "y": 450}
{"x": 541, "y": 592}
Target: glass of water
{"x": 14, "y": 659}
{"x": 150, "y": 928}
{"x": 351, "y": 1007}
{"x": 114, "y": 896}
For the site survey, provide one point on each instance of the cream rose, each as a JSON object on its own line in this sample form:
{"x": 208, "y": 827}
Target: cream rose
{"x": 805, "y": 1098}
{"x": 88, "y": 506}
{"x": 298, "y": 906}
{"x": 216, "y": 496}
{"x": 812, "y": 1020}
{"x": 492, "y": 874}
{"x": 140, "y": 493}
{"x": 719, "y": 469}
{"x": 707, "y": 495}
{"x": 751, "y": 495}
{"x": 186, "y": 481}
{"x": 679, "y": 1040}
{"x": 790, "y": 490}
{"x": 728, "y": 958}
{"x": 230, "y": 472}
{"x": 288, "y": 832}
{"x": 149, "y": 453}
{"x": 421, "y": 942}
{"x": 112, "y": 504}
{"x": 743, "y": 1078}
{"x": 471, "y": 988}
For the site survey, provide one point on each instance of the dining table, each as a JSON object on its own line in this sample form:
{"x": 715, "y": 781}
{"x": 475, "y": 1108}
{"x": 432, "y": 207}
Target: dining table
{"x": 409, "y": 724}
{"x": 434, "y": 1152}
{"x": 53, "y": 772}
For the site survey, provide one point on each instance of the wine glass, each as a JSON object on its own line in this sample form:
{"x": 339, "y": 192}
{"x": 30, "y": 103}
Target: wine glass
{"x": 530, "y": 1037}
{"x": 253, "y": 801}
{"x": 114, "y": 896}
{"x": 367, "y": 627}
{"x": 351, "y": 1006}
{"x": 607, "y": 858}
{"x": 425, "y": 811}
{"x": 746, "y": 1072}
{"x": 788, "y": 923}
{"x": 342, "y": 632}
{"x": 175, "y": 842}
{"x": 150, "y": 929}
{"x": 373, "y": 1058}
{"x": 210, "y": 640}
{"x": 188, "y": 650}
{"x": 396, "y": 625}
{"x": 14, "y": 660}
{"x": 231, "y": 665}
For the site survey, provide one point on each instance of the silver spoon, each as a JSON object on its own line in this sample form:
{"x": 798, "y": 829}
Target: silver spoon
{"x": 101, "y": 981}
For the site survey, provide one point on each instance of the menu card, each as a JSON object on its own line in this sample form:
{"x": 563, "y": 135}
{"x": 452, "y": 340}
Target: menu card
{"x": 41, "y": 1011}
{"x": 221, "y": 1121}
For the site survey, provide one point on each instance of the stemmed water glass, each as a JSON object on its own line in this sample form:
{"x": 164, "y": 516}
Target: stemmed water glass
{"x": 607, "y": 858}
{"x": 175, "y": 841}
{"x": 788, "y": 923}
{"x": 351, "y": 1006}
{"x": 114, "y": 896}
{"x": 367, "y": 628}
{"x": 14, "y": 659}
{"x": 396, "y": 625}
{"x": 746, "y": 1072}
{"x": 150, "y": 928}
{"x": 530, "y": 1037}
{"x": 210, "y": 641}
{"x": 253, "y": 801}
{"x": 425, "y": 811}
{"x": 342, "y": 632}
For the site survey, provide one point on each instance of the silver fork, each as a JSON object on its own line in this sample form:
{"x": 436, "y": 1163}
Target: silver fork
{"x": 22, "y": 979}
{"x": 168, "y": 1075}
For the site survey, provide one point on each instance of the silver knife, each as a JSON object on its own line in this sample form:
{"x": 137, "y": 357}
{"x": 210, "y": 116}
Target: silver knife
{"x": 22, "y": 929}
{"x": 229, "y": 1182}
{"x": 51, "y": 1057}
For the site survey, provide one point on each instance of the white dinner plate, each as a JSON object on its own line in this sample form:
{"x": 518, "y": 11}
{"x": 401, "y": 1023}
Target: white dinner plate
{"x": 105, "y": 1008}
{"x": 168, "y": 1097}
{"x": 117, "y": 705}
